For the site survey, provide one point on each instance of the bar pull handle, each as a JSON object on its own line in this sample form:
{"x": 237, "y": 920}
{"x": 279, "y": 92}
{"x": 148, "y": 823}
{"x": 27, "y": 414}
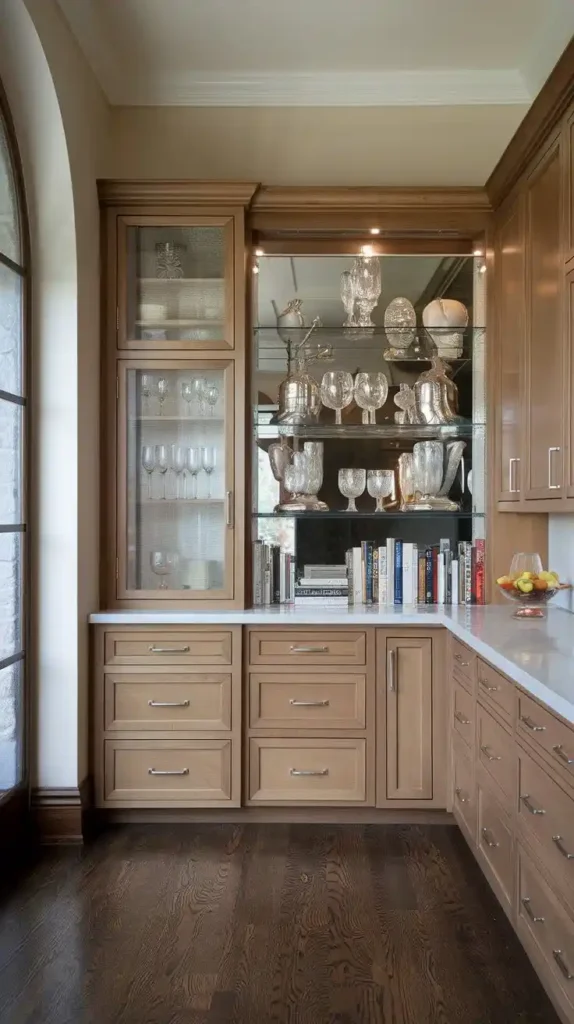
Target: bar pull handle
{"x": 558, "y": 840}
{"x": 463, "y": 799}
{"x": 229, "y": 508}
{"x": 551, "y": 486}
{"x": 308, "y": 771}
{"x": 561, "y": 753}
{"x": 489, "y": 756}
{"x": 308, "y": 650}
{"x": 309, "y": 703}
{"x": 169, "y": 650}
{"x": 530, "y": 806}
{"x": 530, "y": 724}
{"x": 559, "y": 957}
{"x": 460, "y": 718}
{"x": 526, "y": 904}
{"x": 157, "y": 771}
{"x": 392, "y": 670}
{"x": 491, "y": 689}
{"x": 511, "y": 476}
{"x": 488, "y": 838}
{"x": 168, "y": 703}
{"x": 461, "y": 661}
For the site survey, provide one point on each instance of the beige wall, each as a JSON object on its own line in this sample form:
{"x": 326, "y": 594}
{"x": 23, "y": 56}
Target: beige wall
{"x": 298, "y": 146}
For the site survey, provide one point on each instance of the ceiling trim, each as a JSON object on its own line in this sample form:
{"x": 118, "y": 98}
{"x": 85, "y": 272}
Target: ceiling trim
{"x": 338, "y": 199}
{"x": 175, "y": 192}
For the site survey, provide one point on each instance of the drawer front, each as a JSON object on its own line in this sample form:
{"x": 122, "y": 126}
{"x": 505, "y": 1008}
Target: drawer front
{"x": 145, "y": 702}
{"x": 308, "y": 771}
{"x": 463, "y": 711}
{"x": 542, "y": 921}
{"x": 553, "y": 738}
{"x": 495, "y": 842}
{"x": 496, "y": 690}
{"x": 497, "y": 754}
{"x": 154, "y": 647}
{"x": 167, "y": 772}
{"x": 546, "y": 814}
{"x": 292, "y": 647}
{"x": 306, "y": 701}
{"x": 463, "y": 797}
{"x": 463, "y": 660}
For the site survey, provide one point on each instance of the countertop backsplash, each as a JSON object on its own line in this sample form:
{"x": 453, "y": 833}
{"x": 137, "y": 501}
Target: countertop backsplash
{"x": 561, "y": 556}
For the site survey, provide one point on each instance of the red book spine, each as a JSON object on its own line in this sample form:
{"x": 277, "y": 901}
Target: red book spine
{"x": 480, "y": 559}
{"x": 435, "y": 576}
{"x": 473, "y": 575}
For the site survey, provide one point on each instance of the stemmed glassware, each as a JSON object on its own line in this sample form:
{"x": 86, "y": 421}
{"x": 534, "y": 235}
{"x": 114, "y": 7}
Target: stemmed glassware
{"x": 211, "y": 396}
{"x": 352, "y": 485}
{"x": 371, "y": 391}
{"x": 162, "y": 392}
{"x": 428, "y": 457}
{"x": 148, "y": 463}
{"x": 208, "y": 459}
{"x": 147, "y": 386}
{"x": 163, "y": 563}
{"x": 188, "y": 394}
{"x": 199, "y": 385}
{"x": 177, "y": 465}
{"x": 406, "y": 481}
{"x": 348, "y": 298}
{"x": 192, "y": 466}
{"x": 337, "y": 391}
{"x": 380, "y": 485}
{"x": 161, "y": 462}
{"x": 366, "y": 275}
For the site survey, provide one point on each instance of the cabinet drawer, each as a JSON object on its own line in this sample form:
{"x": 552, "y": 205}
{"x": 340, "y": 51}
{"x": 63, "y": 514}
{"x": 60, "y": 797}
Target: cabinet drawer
{"x": 306, "y": 701}
{"x": 463, "y": 797}
{"x": 495, "y": 843}
{"x": 497, "y": 754}
{"x": 496, "y": 690}
{"x": 546, "y": 814}
{"x": 308, "y": 771}
{"x": 545, "y": 924}
{"x": 553, "y": 738}
{"x": 147, "y": 702}
{"x": 167, "y": 772}
{"x": 463, "y": 660}
{"x": 463, "y": 710}
{"x": 176, "y": 647}
{"x": 286, "y": 647}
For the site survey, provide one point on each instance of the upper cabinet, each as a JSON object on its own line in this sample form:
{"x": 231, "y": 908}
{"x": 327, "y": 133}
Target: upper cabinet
{"x": 509, "y": 270}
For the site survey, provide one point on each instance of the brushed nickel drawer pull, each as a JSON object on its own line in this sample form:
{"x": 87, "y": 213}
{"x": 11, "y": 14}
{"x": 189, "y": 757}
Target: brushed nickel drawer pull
{"x": 559, "y": 957}
{"x": 561, "y": 753}
{"x": 530, "y": 912}
{"x": 530, "y": 806}
{"x": 491, "y": 757}
{"x": 551, "y": 486}
{"x": 229, "y": 508}
{"x": 308, "y": 771}
{"x": 460, "y": 718}
{"x": 157, "y": 771}
{"x": 169, "y": 650}
{"x": 532, "y": 725}
{"x": 465, "y": 664}
{"x": 560, "y": 844}
{"x": 168, "y": 703}
{"x": 511, "y": 464}
{"x": 488, "y": 838}
{"x": 309, "y": 703}
{"x": 308, "y": 650}
{"x": 491, "y": 689}
{"x": 392, "y": 669}
{"x": 463, "y": 799}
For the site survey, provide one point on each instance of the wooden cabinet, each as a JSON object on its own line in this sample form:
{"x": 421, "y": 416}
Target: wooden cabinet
{"x": 569, "y": 384}
{"x": 510, "y": 297}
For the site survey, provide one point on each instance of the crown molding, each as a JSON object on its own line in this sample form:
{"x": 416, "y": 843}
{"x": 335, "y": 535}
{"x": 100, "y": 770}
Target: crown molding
{"x": 174, "y": 192}
{"x": 367, "y": 199}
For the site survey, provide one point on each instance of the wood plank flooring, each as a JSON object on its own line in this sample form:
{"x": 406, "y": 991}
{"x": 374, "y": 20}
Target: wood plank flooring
{"x": 300, "y": 924}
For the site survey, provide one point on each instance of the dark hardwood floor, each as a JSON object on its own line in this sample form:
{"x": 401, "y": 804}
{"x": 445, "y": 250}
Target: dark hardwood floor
{"x": 211, "y": 924}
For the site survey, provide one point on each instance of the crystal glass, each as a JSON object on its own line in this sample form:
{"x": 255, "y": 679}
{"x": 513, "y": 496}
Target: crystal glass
{"x": 147, "y": 387}
{"x": 188, "y": 394}
{"x": 313, "y": 452}
{"x": 348, "y": 298}
{"x": 161, "y": 462}
{"x": 162, "y": 389}
{"x": 168, "y": 259}
{"x": 428, "y": 458}
{"x": 400, "y": 326}
{"x": 192, "y": 466}
{"x": 351, "y": 485}
{"x": 148, "y": 463}
{"x": 337, "y": 391}
{"x": 211, "y": 397}
{"x": 380, "y": 485}
{"x": 371, "y": 390}
{"x": 525, "y": 561}
{"x": 366, "y": 275}
{"x": 177, "y": 465}
{"x": 199, "y": 386}
{"x": 208, "y": 461}
{"x": 406, "y": 480}
{"x": 163, "y": 563}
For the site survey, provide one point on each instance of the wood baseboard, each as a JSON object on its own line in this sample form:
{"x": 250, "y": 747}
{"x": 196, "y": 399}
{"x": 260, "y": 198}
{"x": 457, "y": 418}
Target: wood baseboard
{"x": 280, "y": 815}
{"x": 61, "y": 815}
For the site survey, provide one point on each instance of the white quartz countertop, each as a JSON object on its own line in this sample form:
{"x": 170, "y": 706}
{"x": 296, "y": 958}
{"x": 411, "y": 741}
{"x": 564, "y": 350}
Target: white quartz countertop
{"x": 538, "y": 654}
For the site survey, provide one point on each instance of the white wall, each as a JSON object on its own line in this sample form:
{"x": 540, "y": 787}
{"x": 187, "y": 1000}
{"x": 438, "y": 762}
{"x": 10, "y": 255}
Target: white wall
{"x": 561, "y": 555}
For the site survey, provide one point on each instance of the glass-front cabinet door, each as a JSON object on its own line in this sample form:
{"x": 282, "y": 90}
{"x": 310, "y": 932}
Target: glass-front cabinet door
{"x": 175, "y": 480}
{"x": 175, "y": 283}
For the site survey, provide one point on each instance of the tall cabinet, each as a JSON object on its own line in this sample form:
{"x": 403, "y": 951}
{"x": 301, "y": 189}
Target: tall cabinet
{"x": 173, "y": 517}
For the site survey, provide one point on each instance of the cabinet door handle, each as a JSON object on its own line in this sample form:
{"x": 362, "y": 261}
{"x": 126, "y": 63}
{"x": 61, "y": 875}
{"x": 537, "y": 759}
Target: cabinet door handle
{"x": 559, "y": 957}
{"x": 392, "y": 670}
{"x": 526, "y": 904}
{"x": 308, "y": 771}
{"x": 561, "y": 753}
{"x": 530, "y": 806}
{"x": 168, "y": 703}
{"x": 229, "y": 508}
{"x": 511, "y": 464}
{"x": 463, "y": 799}
{"x": 551, "y": 486}
{"x": 491, "y": 689}
{"x": 487, "y": 836}
{"x": 489, "y": 756}
{"x": 157, "y": 771}
{"x": 532, "y": 725}
{"x": 460, "y": 718}
{"x": 560, "y": 844}
{"x": 308, "y": 650}
{"x": 309, "y": 703}
{"x": 461, "y": 661}
{"x": 169, "y": 650}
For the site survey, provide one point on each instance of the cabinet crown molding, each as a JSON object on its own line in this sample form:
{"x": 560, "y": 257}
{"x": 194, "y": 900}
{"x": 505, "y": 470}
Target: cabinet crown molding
{"x": 339, "y": 199}
{"x": 175, "y": 192}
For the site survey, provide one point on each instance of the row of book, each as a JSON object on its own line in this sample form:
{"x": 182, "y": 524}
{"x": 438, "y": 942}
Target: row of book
{"x": 401, "y": 573}
{"x": 273, "y": 575}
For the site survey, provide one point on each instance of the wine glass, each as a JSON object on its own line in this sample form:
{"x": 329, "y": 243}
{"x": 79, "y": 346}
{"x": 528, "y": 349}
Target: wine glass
{"x": 371, "y": 390}
{"x": 337, "y": 391}
{"x": 162, "y": 392}
{"x": 199, "y": 385}
{"x": 406, "y": 480}
{"x": 147, "y": 386}
{"x": 161, "y": 462}
{"x": 352, "y": 485}
{"x": 187, "y": 393}
{"x": 177, "y": 464}
{"x": 348, "y": 298}
{"x": 163, "y": 563}
{"x": 211, "y": 396}
{"x": 525, "y": 561}
{"x": 366, "y": 275}
{"x": 148, "y": 463}
{"x": 380, "y": 485}
{"x": 208, "y": 459}
{"x": 193, "y": 466}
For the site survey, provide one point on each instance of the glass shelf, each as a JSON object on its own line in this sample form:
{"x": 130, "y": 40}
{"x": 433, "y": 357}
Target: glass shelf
{"x": 363, "y": 431}
{"x": 391, "y": 514}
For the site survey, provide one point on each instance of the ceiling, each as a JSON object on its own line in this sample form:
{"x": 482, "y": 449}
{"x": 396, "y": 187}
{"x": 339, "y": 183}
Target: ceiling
{"x": 320, "y": 52}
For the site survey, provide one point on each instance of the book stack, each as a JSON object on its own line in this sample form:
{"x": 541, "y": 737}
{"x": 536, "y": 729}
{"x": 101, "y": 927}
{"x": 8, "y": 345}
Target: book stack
{"x": 273, "y": 575}
{"x": 401, "y": 573}
{"x": 322, "y": 586}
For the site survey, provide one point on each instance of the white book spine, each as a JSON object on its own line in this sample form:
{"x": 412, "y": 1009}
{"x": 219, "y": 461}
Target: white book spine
{"x": 382, "y": 576}
{"x": 257, "y": 575}
{"x": 454, "y": 570}
{"x": 441, "y": 579}
{"x": 415, "y": 574}
{"x": 390, "y": 571}
{"x": 292, "y": 580}
{"x": 357, "y": 577}
{"x": 267, "y": 575}
{"x": 282, "y": 577}
{"x": 407, "y": 573}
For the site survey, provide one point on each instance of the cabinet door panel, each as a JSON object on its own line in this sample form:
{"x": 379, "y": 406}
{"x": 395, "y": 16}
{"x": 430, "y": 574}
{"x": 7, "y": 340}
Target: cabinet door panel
{"x": 544, "y": 444}
{"x": 510, "y": 343}
{"x": 569, "y": 332}
{"x": 409, "y": 718}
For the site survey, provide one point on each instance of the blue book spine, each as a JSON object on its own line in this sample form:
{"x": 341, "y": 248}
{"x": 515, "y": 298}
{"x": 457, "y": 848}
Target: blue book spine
{"x": 398, "y": 572}
{"x": 428, "y": 577}
{"x": 369, "y": 563}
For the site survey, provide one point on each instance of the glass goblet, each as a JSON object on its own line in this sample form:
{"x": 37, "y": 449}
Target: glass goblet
{"x": 161, "y": 462}
{"x": 163, "y": 563}
{"x": 187, "y": 393}
{"x": 428, "y": 458}
{"x": 147, "y": 387}
{"x": 148, "y": 463}
{"x": 348, "y": 298}
{"x": 371, "y": 391}
{"x": 162, "y": 388}
{"x": 211, "y": 397}
{"x": 525, "y": 561}
{"x": 380, "y": 485}
{"x": 352, "y": 485}
{"x": 406, "y": 480}
{"x": 199, "y": 385}
{"x": 208, "y": 460}
{"x": 366, "y": 274}
{"x": 177, "y": 464}
{"x": 192, "y": 466}
{"x": 337, "y": 391}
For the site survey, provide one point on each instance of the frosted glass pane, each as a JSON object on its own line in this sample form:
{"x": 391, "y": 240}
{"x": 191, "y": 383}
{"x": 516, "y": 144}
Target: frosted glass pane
{"x": 9, "y": 225}
{"x": 10, "y": 331}
{"x": 11, "y": 725}
{"x": 10, "y": 463}
{"x": 10, "y": 593}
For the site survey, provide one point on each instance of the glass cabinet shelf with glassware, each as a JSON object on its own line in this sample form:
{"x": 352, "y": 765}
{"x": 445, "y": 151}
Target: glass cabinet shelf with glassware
{"x": 368, "y": 389}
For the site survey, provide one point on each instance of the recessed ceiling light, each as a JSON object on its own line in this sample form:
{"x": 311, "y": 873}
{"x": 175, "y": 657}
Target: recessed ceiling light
{"x": 375, "y": 231}
{"x": 367, "y": 250}
{"x": 259, "y": 252}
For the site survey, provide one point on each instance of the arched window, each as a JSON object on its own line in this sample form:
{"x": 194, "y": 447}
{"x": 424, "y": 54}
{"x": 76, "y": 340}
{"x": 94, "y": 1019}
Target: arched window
{"x": 14, "y": 284}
